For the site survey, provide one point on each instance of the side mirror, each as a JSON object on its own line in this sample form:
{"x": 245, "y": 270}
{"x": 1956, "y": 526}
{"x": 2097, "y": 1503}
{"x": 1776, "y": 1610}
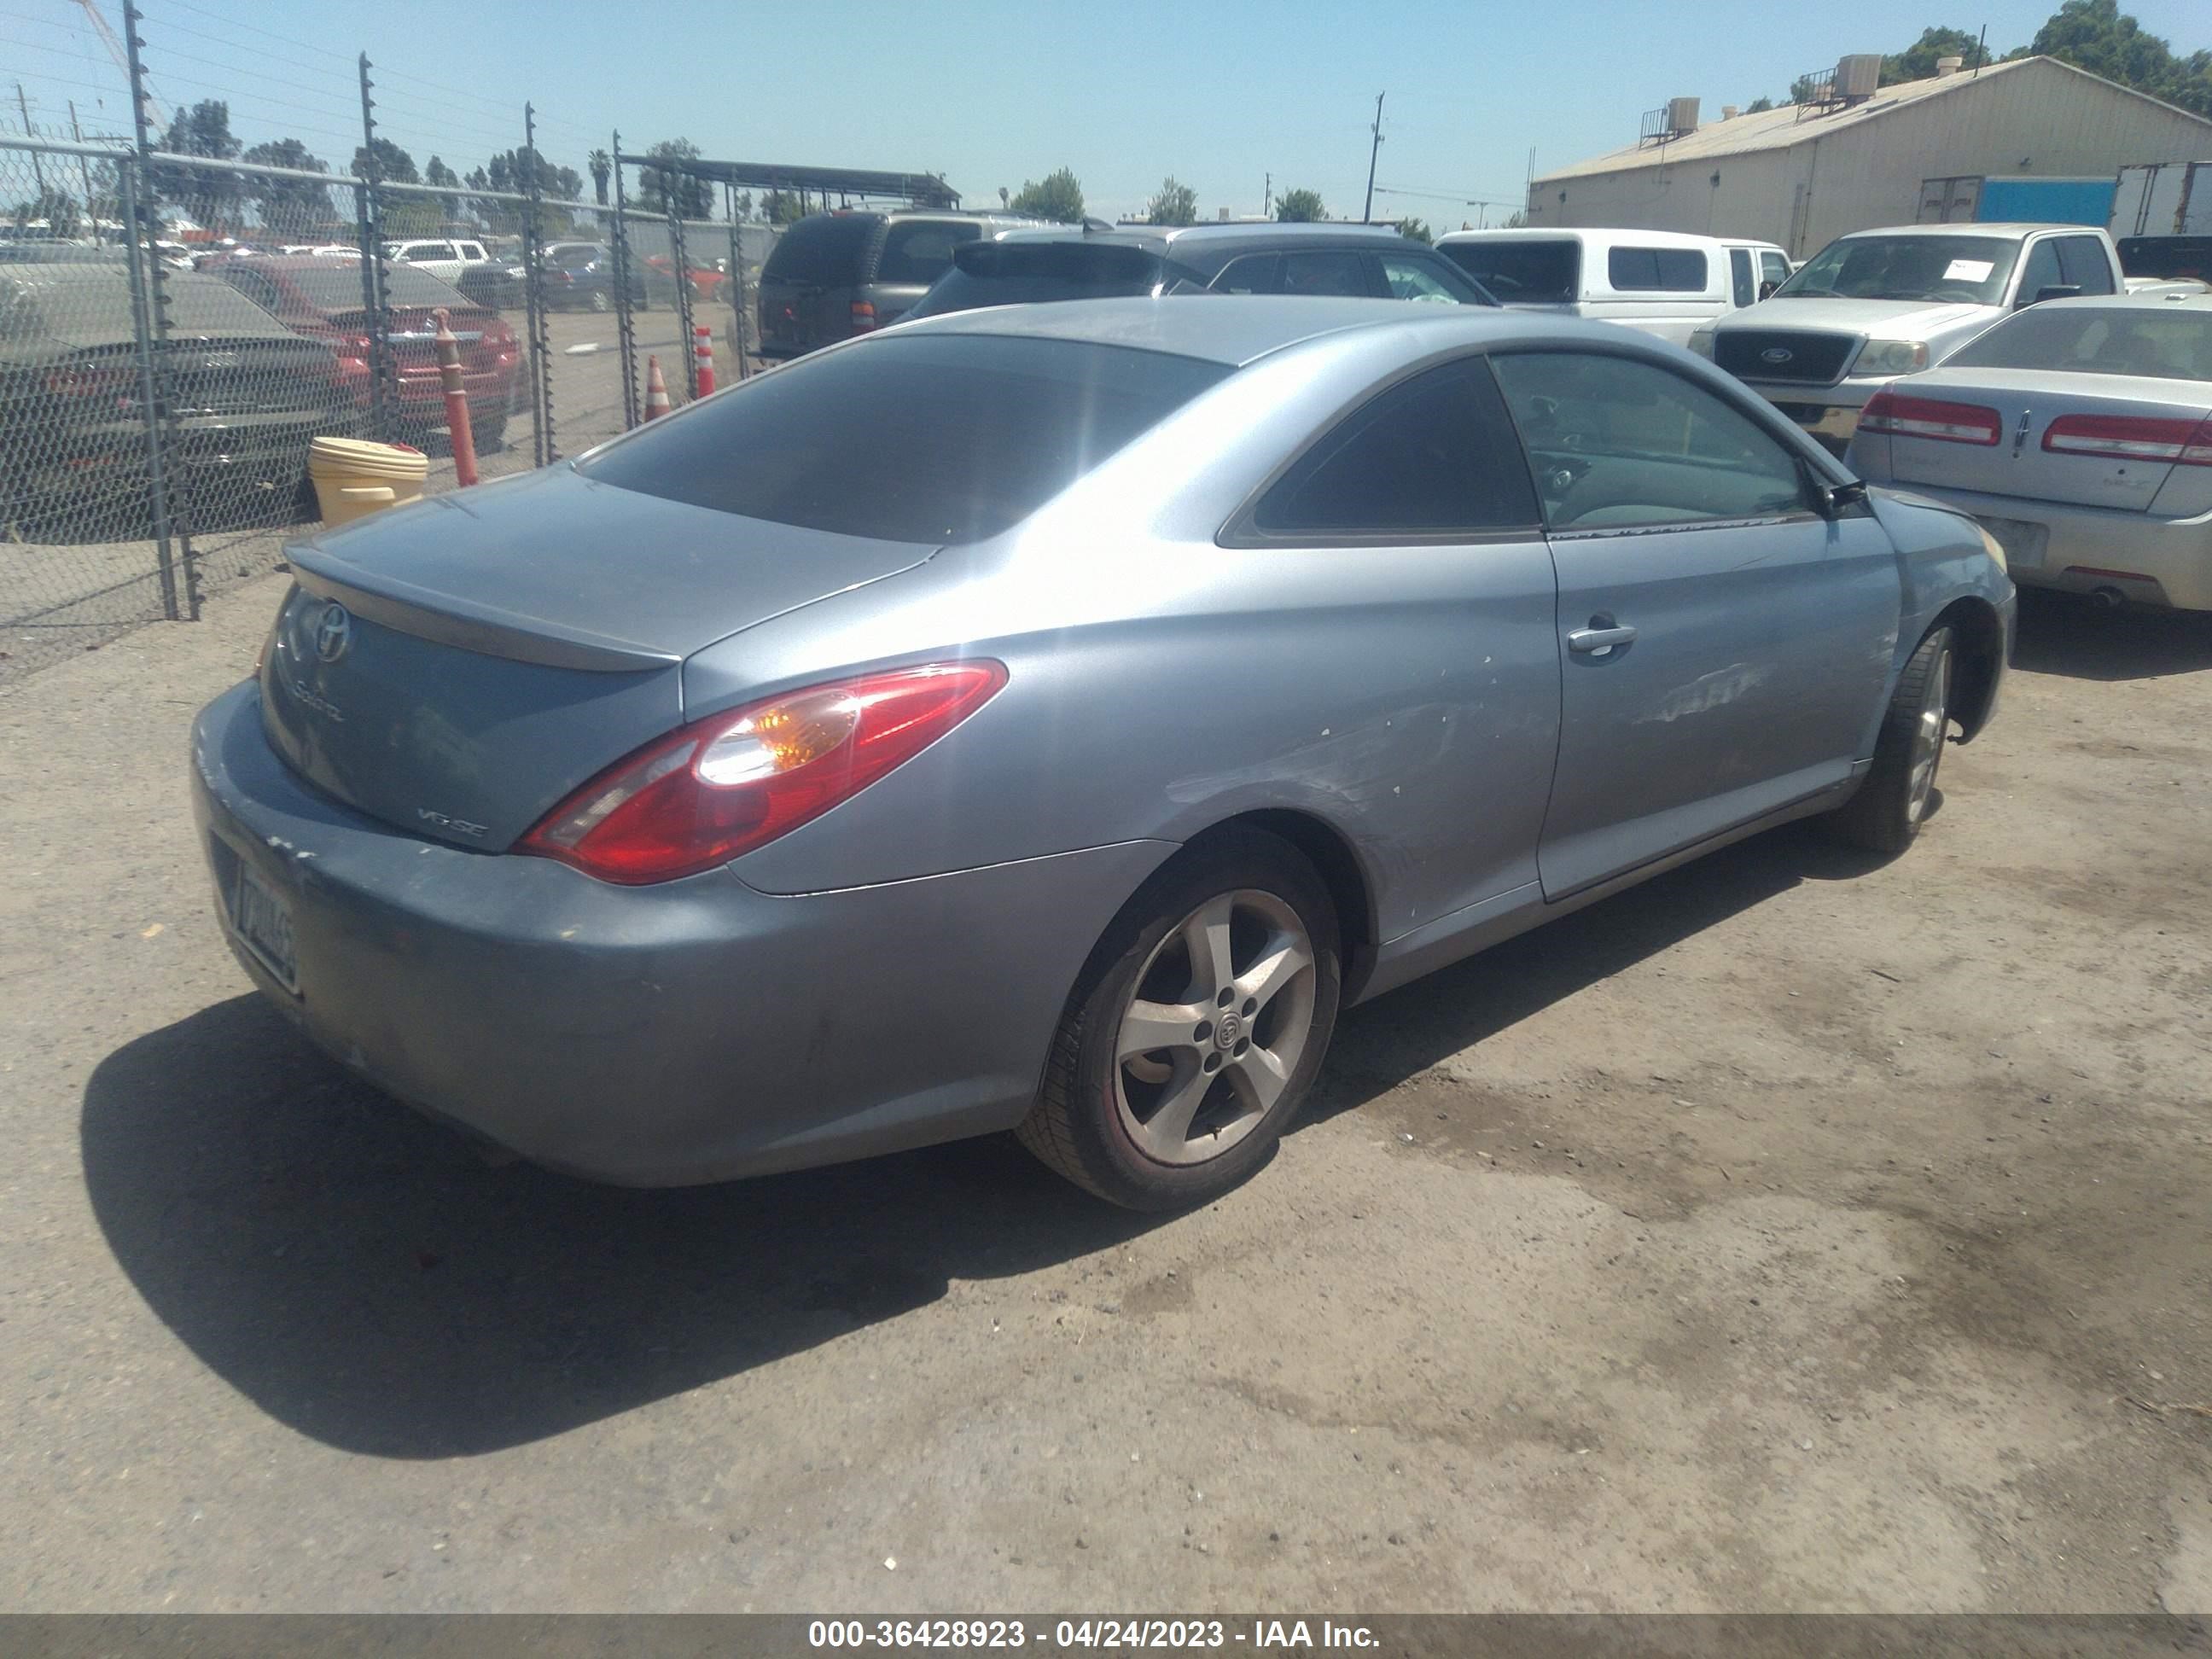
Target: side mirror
{"x": 1766, "y": 289}
{"x": 1831, "y": 501}
{"x": 2051, "y": 291}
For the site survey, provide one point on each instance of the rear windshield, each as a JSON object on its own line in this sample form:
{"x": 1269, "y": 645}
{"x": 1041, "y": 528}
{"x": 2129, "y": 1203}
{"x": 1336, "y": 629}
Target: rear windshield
{"x": 2161, "y": 342}
{"x": 1028, "y": 273}
{"x": 1656, "y": 269}
{"x": 823, "y": 252}
{"x": 922, "y": 438}
{"x": 2166, "y": 255}
{"x": 1522, "y": 273}
{"x": 917, "y": 251}
{"x": 1969, "y": 270}
{"x": 331, "y": 287}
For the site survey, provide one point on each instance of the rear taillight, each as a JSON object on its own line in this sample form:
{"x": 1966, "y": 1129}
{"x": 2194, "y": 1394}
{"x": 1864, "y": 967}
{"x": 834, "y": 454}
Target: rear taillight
{"x": 2183, "y": 442}
{"x": 736, "y": 781}
{"x": 89, "y": 382}
{"x": 864, "y": 316}
{"x": 1927, "y": 417}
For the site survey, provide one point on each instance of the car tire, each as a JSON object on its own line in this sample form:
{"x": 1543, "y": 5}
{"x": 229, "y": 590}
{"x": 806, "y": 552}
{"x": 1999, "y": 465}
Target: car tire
{"x": 1178, "y": 1125}
{"x": 489, "y": 435}
{"x": 1892, "y": 800}
{"x": 602, "y": 301}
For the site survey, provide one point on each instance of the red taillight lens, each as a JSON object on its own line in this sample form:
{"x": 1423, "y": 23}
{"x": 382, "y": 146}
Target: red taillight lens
{"x": 736, "y": 781}
{"x": 864, "y": 315}
{"x": 1926, "y": 418}
{"x": 88, "y": 382}
{"x": 2183, "y": 442}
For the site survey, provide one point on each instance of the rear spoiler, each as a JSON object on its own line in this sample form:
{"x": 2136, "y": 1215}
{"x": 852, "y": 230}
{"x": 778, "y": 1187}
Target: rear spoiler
{"x": 465, "y": 625}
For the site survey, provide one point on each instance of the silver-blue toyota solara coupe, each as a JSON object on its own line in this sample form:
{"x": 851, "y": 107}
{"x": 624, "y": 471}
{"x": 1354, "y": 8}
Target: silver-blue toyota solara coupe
{"x": 1048, "y": 719}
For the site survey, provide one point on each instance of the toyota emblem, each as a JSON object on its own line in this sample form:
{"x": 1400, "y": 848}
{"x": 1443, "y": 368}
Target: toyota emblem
{"x": 1776, "y": 355}
{"x": 333, "y": 632}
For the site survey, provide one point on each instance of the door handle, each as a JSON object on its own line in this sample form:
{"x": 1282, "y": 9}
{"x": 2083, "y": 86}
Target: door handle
{"x": 1601, "y": 638}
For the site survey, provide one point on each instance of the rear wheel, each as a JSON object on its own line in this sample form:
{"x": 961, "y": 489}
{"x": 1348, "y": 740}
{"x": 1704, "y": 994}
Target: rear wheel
{"x": 602, "y": 301}
{"x": 1893, "y": 801}
{"x": 1199, "y": 1028}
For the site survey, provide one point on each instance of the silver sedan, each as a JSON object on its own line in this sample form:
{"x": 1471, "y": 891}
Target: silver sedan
{"x": 2080, "y": 432}
{"x": 1047, "y": 719}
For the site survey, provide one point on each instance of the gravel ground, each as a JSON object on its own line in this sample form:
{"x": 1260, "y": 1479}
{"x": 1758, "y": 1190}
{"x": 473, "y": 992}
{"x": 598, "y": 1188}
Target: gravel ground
{"x": 1794, "y": 1231}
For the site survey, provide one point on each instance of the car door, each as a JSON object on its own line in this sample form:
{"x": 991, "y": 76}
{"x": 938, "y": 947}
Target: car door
{"x": 1723, "y": 647}
{"x": 1412, "y": 522}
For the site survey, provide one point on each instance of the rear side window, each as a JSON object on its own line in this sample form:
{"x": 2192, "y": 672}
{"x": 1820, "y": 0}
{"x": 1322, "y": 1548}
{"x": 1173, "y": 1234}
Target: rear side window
{"x": 1745, "y": 286}
{"x": 1522, "y": 272}
{"x": 823, "y": 252}
{"x": 917, "y": 253}
{"x": 932, "y": 438}
{"x": 1028, "y": 273}
{"x": 1256, "y": 273}
{"x": 1657, "y": 269}
{"x": 1434, "y": 455}
{"x": 1334, "y": 271}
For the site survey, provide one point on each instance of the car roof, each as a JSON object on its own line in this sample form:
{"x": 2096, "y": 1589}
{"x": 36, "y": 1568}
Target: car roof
{"x": 1646, "y": 238}
{"x": 1995, "y": 228}
{"x": 1238, "y": 329}
{"x": 2191, "y": 304}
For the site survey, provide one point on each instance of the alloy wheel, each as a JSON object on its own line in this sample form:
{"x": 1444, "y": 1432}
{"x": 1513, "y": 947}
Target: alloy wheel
{"x": 1928, "y": 736}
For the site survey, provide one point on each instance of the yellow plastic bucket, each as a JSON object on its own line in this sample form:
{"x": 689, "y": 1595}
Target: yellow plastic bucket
{"x": 354, "y": 476}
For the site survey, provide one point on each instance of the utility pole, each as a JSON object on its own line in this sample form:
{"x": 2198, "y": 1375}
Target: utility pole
{"x": 36, "y": 169}
{"x": 1267, "y": 199}
{"x": 1367, "y": 213}
{"x": 84, "y": 173}
{"x": 1981, "y": 50}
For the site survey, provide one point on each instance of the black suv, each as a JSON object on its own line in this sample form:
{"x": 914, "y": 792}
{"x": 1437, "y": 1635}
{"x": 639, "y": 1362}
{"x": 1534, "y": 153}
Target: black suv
{"x": 835, "y": 275}
{"x": 1026, "y": 267}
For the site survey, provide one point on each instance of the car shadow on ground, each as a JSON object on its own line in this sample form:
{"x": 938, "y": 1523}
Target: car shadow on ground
{"x": 2064, "y": 634}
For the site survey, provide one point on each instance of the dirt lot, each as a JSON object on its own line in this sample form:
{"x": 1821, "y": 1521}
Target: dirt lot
{"x": 1793, "y": 1233}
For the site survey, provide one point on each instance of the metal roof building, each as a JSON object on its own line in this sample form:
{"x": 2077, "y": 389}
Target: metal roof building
{"x": 1920, "y": 150}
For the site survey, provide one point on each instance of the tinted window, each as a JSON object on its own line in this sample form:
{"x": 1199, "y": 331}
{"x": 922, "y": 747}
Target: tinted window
{"x": 1434, "y": 455}
{"x": 919, "y": 252}
{"x": 257, "y": 286}
{"x": 821, "y": 252}
{"x": 1522, "y": 272}
{"x": 2042, "y": 271}
{"x": 2086, "y": 265}
{"x": 1256, "y": 273}
{"x": 1326, "y": 272}
{"x": 2166, "y": 255}
{"x": 1408, "y": 275}
{"x": 1970, "y": 270}
{"x": 1617, "y": 441}
{"x": 2157, "y": 343}
{"x": 1661, "y": 269}
{"x": 914, "y": 438}
{"x": 1026, "y": 273}
{"x": 1743, "y": 285}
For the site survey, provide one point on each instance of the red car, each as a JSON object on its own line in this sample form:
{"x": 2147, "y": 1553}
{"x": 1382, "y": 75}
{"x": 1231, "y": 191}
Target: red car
{"x": 706, "y": 279}
{"x": 321, "y": 298}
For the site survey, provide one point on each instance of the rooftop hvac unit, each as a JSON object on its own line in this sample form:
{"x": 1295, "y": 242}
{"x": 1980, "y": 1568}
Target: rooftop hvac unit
{"x": 1858, "y": 76}
{"x": 1682, "y": 112}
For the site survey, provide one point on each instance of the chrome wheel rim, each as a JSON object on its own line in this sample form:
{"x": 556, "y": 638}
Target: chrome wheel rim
{"x": 1215, "y": 1028}
{"x": 1927, "y": 736}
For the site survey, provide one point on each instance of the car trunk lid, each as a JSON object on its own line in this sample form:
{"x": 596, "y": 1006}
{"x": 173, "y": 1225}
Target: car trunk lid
{"x": 2085, "y": 440}
{"x": 455, "y": 668}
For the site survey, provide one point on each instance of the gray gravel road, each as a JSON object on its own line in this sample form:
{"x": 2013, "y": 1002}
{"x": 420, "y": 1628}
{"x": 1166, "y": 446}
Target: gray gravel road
{"x": 1792, "y": 1232}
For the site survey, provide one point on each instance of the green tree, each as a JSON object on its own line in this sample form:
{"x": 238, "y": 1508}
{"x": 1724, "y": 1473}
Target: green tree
{"x": 216, "y": 197}
{"x": 602, "y": 169}
{"x": 1918, "y": 61}
{"x": 1803, "y": 88}
{"x": 2098, "y": 36}
{"x": 659, "y": 189}
{"x": 1173, "y": 203}
{"x": 291, "y": 205}
{"x": 392, "y": 165}
{"x": 781, "y": 207}
{"x": 1058, "y": 195}
{"x": 1416, "y": 229}
{"x": 57, "y": 208}
{"x": 1758, "y": 107}
{"x": 436, "y": 172}
{"x": 1298, "y": 207}
{"x": 1517, "y": 220}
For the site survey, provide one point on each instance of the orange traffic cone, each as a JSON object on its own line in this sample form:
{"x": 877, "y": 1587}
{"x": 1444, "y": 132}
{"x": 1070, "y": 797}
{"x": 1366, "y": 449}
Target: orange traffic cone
{"x": 702, "y": 354}
{"x": 656, "y": 389}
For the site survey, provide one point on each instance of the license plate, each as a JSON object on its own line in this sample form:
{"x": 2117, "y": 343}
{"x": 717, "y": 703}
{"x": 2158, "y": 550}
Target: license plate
{"x": 2024, "y": 543}
{"x": 263, "y": 921}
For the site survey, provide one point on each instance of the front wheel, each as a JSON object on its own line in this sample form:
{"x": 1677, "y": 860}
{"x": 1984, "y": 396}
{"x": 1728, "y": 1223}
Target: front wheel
{"x": 1893, "y": 800}
{"x": 1198, "y": 1029}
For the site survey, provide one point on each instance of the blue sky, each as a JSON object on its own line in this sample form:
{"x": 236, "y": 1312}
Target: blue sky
{"x": 1220, "y": 92}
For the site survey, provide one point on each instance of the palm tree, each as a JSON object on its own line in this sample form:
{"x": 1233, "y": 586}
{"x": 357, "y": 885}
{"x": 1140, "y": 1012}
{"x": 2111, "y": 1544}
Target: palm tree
{"x": 603, "y": 168}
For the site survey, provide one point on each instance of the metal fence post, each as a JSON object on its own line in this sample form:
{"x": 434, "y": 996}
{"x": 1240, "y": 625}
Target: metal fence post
{"x": 542, "y": 451}
{"x": 369, "y": 210}
{"x": 625, "y": 331}
{"x": 681, "y": 261}
{"x": 149, "y": 407}
{"x": 150, "y": 309}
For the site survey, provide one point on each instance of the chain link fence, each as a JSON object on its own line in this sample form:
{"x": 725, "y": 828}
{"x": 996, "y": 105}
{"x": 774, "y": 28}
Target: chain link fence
{"x": 158, "y": 391}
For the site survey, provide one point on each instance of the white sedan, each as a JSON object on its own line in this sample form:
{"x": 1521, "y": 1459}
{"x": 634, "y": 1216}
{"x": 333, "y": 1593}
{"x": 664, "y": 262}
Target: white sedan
{"x": 2079, "y": 432}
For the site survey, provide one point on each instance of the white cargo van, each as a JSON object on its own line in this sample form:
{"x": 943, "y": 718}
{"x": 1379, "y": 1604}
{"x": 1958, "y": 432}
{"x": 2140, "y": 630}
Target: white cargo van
{"x": 1663, "y": 281}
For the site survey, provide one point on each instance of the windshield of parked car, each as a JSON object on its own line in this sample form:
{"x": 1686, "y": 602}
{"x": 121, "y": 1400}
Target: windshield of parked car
{"x": 1520, "y": 271}
{"x": 1964, "y": 270}
{"x": 925, "y": 437}
{"x": 1032, "y": 273}
{"x": 2165, "y": 342}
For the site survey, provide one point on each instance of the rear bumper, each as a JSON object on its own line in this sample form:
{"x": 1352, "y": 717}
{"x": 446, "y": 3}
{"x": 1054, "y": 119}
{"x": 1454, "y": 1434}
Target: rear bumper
{"x": 657, "y": 1036}
{"x": 2152, "y": 561}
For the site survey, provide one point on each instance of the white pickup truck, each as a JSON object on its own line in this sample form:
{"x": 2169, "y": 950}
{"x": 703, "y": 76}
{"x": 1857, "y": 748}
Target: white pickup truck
{"x": 1878, "y": 304}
